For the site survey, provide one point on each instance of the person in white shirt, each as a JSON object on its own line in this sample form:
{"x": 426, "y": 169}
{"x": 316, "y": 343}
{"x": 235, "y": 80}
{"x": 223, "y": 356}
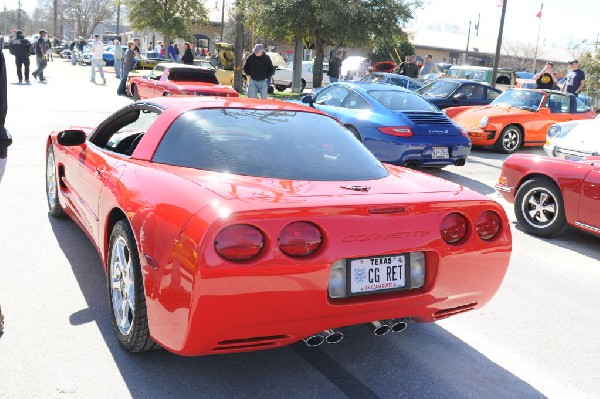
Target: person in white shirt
{"x": 158, "y": 47}
{"x": 97, "y": 61}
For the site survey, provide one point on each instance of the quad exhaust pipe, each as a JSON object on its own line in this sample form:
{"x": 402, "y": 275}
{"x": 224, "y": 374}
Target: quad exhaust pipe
{"x": 328, "y": 336}
{"x": 383, "y": 327}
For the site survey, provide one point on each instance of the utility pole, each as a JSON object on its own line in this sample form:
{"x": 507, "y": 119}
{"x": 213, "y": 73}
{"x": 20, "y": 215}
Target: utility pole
{"x": 499, "y": 44}
{"x": 238, "y": 49}
{"x": 19, "y": 3}
{"x": 468, "y": 40}
{"x": 55, "y": 18}
{"x": 118, "y": 18}
{"x": 222, "y": 19}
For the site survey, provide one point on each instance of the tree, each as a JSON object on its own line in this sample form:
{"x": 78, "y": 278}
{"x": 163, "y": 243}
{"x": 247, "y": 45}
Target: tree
{"x": 171, "y": 18}
{"x": 11, "y": 19}
{"x": 330, "y": 22}
{"x": 386, "y": 50}
{"x": 590, "y": 64}
{"x": 519, "y": 56}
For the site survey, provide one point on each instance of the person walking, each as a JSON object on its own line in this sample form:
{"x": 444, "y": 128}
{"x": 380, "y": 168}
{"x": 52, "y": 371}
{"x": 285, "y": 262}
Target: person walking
{"x": 171, "y": 54}
{"x": 40, "y": 57}
{"x": 48, "y": 44}
{"x": 128, "y": 64}
{"x": 259, "y": 68}
{"x": 545, "y": 79}
{"x": 187, "y": 57}
{"x": 409, "y": 67}
{"x": 575, "y": 79}
{"x": 118, "y": 55}
{"x": 73, "y": 48}
{"x": 19, "y": 47}
{"x": 97, "y": 61}
{"x": 335, "y": 67}
{"x": 428, "y": 66}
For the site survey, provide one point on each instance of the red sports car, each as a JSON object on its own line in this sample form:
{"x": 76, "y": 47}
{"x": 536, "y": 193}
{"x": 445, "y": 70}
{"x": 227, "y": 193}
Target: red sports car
{"x": 171, "y": 79}
{"x": 551, "y": 193}
{"x": 228, "y": 225}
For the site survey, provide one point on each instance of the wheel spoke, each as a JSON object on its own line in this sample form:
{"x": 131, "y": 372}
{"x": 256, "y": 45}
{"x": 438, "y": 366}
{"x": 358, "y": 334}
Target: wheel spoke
{"x": 543, "y": 198}
{"x": 542, "y": 217}
{"x": 532, "y": 201}
{"x": 550, "y": 208}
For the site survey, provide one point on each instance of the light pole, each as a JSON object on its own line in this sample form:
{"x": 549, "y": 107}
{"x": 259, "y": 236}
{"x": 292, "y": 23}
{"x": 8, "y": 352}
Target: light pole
{"x": 499, "y": 44}
{"x": 468, "y": 40}
{"x": 222, "y": 20}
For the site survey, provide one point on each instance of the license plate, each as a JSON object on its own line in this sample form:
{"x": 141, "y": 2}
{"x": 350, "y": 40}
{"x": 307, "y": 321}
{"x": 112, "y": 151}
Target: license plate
{"x": 376, "y": 274}
{"x": 440, "y": 152}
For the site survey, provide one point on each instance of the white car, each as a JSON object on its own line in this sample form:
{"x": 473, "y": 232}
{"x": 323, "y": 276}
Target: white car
{"x": 573, "y": 140}
{"x": 283, "y": 77}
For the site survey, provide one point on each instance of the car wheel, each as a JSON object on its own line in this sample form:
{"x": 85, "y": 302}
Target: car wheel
{"x": 280, "y": 87}
{"x": 166, "y": 94}
{"x": 54, "y": 207}
{"x": 355, "y": 132}
{"x": 126, "y": 291}
{"x": 134, "y": 93}
{"x": 270, "y": 90}
{"x": 539, "y": 207}
{"x": 510, "y": 139}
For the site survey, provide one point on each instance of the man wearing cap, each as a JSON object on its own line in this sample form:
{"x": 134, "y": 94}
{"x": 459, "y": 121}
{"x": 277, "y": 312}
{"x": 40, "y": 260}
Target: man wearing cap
{"x": 575, "y": 79}
{"x": 19, "y": 47}
{"x": 259, "y": 68}
{"x": 40, "y": 57}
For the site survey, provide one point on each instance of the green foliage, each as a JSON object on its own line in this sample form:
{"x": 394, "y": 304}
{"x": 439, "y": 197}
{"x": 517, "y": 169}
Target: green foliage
{"x": 168, "y": 17}
{"x": 388, "y": 49}
{"x": 590, "y": 64}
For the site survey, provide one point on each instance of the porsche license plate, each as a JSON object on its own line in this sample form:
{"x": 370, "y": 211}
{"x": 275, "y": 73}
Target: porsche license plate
{"x": 440, "y": 152}
{"x": 376, "y": 274}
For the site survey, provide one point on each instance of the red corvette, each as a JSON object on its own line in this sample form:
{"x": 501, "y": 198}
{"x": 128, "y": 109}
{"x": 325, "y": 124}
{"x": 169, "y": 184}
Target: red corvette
{"x": 228, "y": 225}
{"x": 171, "y": 79}
{"x": 551, "y": 193}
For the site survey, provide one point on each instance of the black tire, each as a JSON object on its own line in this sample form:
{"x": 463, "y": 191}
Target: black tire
{"x": 355, "y": 132}
{"x": 280, "y": 87}
{"x": 134, "y": 93}
{"x": 124, "y": 277}
{"x": 539, "y": 207}
{"x": 270, "y": 90}
{"x": 510, "y": 139}
{"x": 52, "y": 182}
{"x": 166, "y": 94}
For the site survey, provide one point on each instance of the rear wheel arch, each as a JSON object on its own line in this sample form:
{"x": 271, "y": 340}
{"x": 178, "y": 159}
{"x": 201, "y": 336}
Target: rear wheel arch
{"x": 113, "y": 217}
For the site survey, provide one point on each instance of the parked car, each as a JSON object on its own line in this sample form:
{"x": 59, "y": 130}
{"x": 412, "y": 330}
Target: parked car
{"x": 109, "y": 54}
{"x": 171, "y": 79}
{"x": 519, "y": 117}
{"x": 393, "y": 79}
{"x": 395, "y": 124}
{"x": 573, "y": 140}
{"x": 444, "y": 93}
{"x": 283, "y": 77}
{"x": 142, "y": 68}
{"x": 232, "y": 225}
{"x": 550, "y": 193}
{"x": 505, "y": 78}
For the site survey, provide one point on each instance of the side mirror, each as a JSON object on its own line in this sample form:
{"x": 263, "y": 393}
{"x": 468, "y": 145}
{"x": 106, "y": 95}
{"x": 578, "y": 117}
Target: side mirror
{"x": 308, "y": 100}
{"x": 459, "y": 97}
{"x": 69, "y": 138}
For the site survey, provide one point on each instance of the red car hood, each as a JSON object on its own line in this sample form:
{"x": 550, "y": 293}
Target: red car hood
{"x": 400, "y": 181}
{"x": 471, "y": 117}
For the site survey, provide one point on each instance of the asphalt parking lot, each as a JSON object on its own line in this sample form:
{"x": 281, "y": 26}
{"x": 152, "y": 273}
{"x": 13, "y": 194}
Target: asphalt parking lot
{"x": 537, "y": 338}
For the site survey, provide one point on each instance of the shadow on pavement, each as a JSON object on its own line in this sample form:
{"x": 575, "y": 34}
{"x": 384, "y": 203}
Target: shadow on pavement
{"x": 424, "y": 362}
{"x": 473, "y": 184}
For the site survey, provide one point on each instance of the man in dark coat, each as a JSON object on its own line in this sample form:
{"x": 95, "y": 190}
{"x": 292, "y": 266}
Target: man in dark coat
{"x": 19, "y": 47}
{"x": 259, "y": 68}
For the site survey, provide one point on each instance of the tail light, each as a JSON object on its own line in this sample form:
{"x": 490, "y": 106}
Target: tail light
{"x": 488, "y": 225}
{"x": 300, "y": 239}
{"x": 398, "y": 131}
{"x": 454, "y": 228}
{"x": 464, "y": 132}
{"x": 239, "y": 242}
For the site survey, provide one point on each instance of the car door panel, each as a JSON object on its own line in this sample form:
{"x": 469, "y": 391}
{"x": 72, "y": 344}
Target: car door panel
{"x": 590, "y": 199}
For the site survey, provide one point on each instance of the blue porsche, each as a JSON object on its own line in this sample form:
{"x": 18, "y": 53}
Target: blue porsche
{"x": 395, "y": 124}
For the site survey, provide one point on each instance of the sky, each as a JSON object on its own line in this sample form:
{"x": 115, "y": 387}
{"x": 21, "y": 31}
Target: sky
{"x": 563, "y": 22}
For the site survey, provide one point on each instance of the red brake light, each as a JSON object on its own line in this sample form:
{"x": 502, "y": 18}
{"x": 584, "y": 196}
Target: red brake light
{"x": 300, "y": 239}
{"x": 239, "y": 242}
{"x": 488, "y": 225}
{"x": 454, "y": 228}
{"x": 398, "y": 131}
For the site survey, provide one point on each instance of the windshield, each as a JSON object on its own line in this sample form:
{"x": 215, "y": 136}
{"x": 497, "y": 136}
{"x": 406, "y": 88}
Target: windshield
{"x": 267, "y": 143}
{"x": 524, "y": 99}
{"x": 373, "y": 77}
{"x": 438, "y": 88}
{"x": 397, "y": 100}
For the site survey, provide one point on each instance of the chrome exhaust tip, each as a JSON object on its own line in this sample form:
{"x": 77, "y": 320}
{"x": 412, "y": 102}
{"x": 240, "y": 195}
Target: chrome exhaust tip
{"x": 379, "y": 328}
{"x": 333, "y": 336}
{"x": 397, "y": 325}
{"x": 314, "y": 340}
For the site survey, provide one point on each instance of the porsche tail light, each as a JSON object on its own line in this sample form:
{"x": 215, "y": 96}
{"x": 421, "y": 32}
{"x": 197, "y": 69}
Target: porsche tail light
{"x": 398, "y": 131}
{"x": 300, "y": 239}
{"x": 464, "y": 132}
{"x": 488, "y": 225}
{"x": 454, "y": 228}
{"x": 239, "y": 242}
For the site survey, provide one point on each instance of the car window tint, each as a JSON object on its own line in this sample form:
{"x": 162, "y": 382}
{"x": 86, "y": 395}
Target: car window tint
{"x": 412, "y": 85}
{"x": 438, "y": 88}
{"x": 122, "y": 133}
{"x": 267, "y": 143}
{"x": 401, "y": 100}
{"x": 374, "y": 78}
{"x": 581, "y": 106}
{"x": 492, "y": 94}
{"x": 333, "y": 96}
{"x": 192, "y": 75}
{"x": 354, "y": 101}
{"x": 558, "y": 103}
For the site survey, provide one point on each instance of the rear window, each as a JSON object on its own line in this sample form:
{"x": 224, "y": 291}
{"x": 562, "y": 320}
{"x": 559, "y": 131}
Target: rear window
{"x": 402, "y": 100}
{"x": 267, "y": 143}
{"x": 192, "y": 75}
